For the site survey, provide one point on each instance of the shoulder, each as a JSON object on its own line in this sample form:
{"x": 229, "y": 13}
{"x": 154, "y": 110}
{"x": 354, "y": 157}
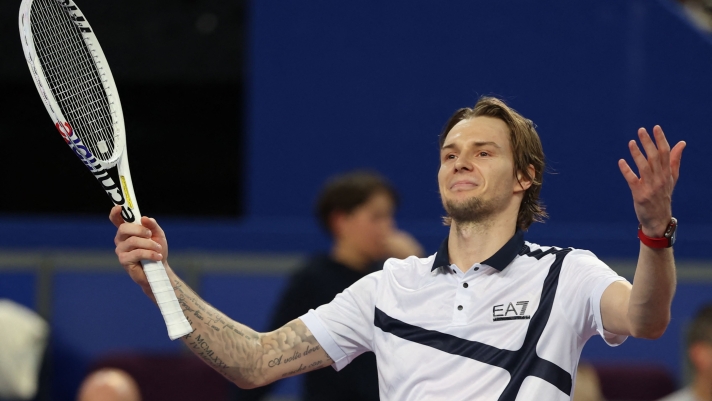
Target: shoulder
{"x": 578, "y": 266}
{"x": 582, "y": 272}
{"x": 408, "y": 272}
{"x": 571, "y": 256}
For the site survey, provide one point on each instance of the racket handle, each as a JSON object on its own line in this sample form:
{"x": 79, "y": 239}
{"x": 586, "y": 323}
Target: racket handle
{"x": 176, "y": 323}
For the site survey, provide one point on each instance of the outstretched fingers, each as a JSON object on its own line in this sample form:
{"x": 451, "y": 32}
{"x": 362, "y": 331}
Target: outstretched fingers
{"x": 628, "y": 173}
{"x": 675, "y": 158}
{"x": 651, "y": 151}
{"x": 639, "y": 159}
{"x": 663, "y": 148}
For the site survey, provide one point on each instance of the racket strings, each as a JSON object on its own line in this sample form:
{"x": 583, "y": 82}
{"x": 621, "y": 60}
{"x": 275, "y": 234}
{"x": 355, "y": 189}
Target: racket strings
{"x": 87, "y": 94}
{"x": 73, "y": 75}
{"x": 52, "y": 40}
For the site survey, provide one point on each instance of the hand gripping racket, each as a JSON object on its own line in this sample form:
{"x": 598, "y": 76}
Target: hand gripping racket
{"x": 78, "y": 90}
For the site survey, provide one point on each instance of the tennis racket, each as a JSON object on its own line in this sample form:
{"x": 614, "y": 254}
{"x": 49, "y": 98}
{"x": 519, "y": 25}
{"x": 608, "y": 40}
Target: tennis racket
{"x": 78, "y": 90}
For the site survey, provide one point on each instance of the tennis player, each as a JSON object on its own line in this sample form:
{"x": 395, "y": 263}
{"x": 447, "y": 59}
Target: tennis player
{"x": 490, "y": 316}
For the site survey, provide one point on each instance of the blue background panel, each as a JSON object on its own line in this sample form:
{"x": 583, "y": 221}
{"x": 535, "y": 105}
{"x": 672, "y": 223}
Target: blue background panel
{"x": 18, "y": 287}
{"x": 336, "y": 86}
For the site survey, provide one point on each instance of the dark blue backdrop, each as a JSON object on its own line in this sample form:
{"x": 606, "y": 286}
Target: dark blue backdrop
{"x": 339, "y": 85}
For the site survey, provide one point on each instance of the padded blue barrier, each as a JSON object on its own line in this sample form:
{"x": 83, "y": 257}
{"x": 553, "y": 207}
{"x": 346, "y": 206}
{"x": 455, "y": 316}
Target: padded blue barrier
{"x": 669, "y": 350}
{"x": 98, "y": 313}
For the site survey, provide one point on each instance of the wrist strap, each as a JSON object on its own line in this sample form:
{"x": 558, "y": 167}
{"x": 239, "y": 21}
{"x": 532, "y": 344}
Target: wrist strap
{"x": 666, "y": 241}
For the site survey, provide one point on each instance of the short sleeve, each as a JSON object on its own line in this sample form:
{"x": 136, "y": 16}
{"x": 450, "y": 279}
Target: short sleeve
{"x": 344, "y": 327}
{"x": 583, "y": 280}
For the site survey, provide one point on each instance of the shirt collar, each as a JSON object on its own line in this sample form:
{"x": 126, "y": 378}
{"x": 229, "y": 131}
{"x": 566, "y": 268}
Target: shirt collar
{"x": 501, "y": 259}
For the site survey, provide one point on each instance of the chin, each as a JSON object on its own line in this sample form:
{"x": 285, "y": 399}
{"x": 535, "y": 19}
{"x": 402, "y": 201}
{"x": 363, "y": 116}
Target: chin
{"x": 462, "y": 198}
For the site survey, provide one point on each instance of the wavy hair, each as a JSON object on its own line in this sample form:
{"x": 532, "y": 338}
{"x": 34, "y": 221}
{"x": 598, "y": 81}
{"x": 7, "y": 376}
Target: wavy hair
{"x": 526, "y": 149}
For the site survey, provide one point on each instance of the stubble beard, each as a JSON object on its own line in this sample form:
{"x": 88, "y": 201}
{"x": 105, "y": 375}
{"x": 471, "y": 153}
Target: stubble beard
{"x": 472, "y": 211}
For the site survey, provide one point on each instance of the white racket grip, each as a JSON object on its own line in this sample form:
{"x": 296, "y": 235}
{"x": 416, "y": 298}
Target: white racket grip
{"x": 176, "y": 323}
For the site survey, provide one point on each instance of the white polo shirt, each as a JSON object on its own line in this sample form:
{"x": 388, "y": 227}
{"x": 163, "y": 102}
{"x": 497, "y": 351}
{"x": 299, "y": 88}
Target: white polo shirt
{"x": 510, "y": 329}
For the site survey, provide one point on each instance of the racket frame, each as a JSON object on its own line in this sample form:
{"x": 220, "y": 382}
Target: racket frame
{"x": 121, "y": 193}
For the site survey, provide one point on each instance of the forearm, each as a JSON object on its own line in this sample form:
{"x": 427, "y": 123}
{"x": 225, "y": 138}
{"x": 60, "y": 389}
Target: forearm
{"x": 244, "y": 356}
{"x": 231, "y": 348}
{"x": 247, "y": 358}
{"x": 653, "y": 289}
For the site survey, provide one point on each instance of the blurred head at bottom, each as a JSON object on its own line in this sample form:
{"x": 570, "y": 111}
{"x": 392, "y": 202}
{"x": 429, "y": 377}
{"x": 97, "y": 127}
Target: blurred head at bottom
{"x": 109, "y": 385}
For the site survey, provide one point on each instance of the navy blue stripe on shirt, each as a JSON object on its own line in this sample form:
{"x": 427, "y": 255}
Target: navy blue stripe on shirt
{"x": 521, "y": 363}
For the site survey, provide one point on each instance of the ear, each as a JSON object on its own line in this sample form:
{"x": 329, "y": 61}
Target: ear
{"x": 523, "y": 183}
{"x": 701, "y": 356}
{"x": 336, "y": 223}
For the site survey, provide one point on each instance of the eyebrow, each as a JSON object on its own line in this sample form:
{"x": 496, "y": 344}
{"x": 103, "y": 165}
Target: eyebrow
{"x": 478, "y": 144}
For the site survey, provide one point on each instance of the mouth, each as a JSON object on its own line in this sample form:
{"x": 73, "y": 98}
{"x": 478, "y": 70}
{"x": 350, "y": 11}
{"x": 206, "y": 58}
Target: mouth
{"x": 462, "y": 186}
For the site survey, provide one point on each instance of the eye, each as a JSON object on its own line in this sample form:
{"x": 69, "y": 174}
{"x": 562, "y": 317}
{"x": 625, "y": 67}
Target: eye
{"x": 450, "y": 156}
{"x": 483, "y": 153}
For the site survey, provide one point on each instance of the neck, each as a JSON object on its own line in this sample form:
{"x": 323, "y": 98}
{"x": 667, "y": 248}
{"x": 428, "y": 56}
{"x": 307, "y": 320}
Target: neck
{"x": 470, "y": 243}
{"x": 702, "y": 388}
{"x": 349, "y": 256}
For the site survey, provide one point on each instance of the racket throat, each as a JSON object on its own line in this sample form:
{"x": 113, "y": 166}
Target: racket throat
{"x": 118, "y": 193}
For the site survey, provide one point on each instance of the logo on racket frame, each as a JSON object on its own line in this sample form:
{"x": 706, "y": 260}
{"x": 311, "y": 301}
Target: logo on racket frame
{"x": 78, "y": 19}
{"x": 107, "y": 182}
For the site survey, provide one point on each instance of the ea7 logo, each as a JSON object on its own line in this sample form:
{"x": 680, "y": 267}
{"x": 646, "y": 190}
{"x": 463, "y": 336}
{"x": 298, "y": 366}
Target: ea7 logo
{"x": 499, "y": 312}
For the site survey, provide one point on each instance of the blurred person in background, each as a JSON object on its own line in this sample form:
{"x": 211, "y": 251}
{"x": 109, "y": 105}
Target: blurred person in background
{"x": 588, "y": 385}
{"x": 357, "y": 211}
{"x": 699, "y": 354}
{"x": 109, "y": 385}
{"x": 23, "y": 339}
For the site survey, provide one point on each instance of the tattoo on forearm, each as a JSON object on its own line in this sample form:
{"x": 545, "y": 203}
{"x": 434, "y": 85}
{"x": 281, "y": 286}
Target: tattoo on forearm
{"x": 238, "y": 352}
{"x": 206, "y": 353}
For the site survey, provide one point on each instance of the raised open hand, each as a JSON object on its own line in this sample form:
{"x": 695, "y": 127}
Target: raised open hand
{"x": 652, "y": 191}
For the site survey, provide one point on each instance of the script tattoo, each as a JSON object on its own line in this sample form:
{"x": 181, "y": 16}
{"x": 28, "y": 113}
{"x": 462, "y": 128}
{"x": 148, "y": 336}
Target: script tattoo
{"x": 242, "y": 355}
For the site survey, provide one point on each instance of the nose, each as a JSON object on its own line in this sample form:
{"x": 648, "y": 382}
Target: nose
{"x": 463, "y": 163}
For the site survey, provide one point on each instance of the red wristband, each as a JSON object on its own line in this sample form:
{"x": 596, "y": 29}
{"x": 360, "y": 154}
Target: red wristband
{"x": 666, "y": 241}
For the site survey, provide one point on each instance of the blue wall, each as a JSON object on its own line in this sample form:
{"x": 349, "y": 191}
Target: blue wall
{"x": 338, "y": 85}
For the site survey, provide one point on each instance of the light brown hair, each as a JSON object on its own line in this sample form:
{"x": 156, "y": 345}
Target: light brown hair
{"x": 526, "y": 149}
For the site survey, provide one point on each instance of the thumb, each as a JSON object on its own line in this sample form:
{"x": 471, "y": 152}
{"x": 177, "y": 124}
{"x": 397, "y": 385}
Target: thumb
{"x": 115, "y": 216}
